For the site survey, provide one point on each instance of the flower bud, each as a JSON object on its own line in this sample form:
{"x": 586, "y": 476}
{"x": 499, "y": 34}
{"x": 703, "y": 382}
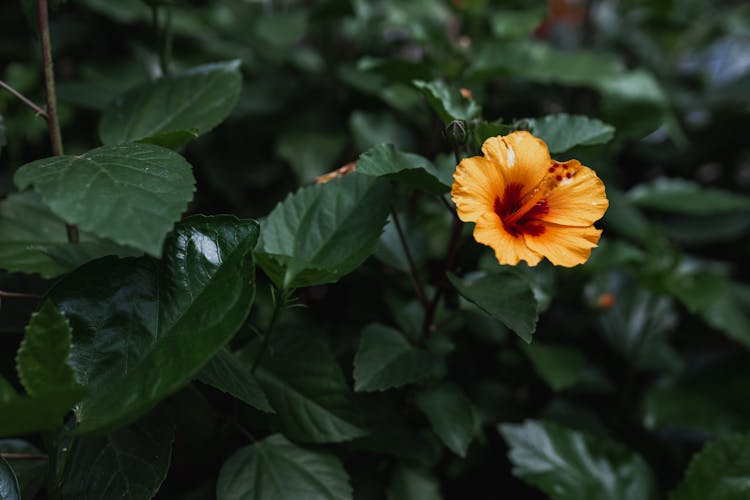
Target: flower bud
{"x": 457, "y": 133}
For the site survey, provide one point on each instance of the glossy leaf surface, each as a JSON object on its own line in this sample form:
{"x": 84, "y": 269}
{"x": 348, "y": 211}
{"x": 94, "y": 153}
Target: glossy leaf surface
{"x": 384, "y": 160}
{"x": 142, "y": 328}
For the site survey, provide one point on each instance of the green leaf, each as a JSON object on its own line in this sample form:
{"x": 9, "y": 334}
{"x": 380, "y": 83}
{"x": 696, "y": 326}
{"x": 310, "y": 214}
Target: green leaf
{"x": 43, "y": 412}
{"x": 322, "y": 232}
{"x": 483, "y": 130}
{"x": 42, "y": 358}
{"x": 720, "y": 302}
{"x": 571, "y": 465}
{"x": 275, "y": 469}
{"x": 384, "y": 160}
{"x": 411, "y": 483}
{"x": 310, "y": 153}
{"x": 282, "y": 29}
{"x": 9, "y": 489}
{"x": 451, "y": 415}
{"x": 686, "y": 197}
{"x": 562, "y": 132}
{"x": 142, "y": 328}
{"x": 3, "y": 140}
{"x": 708, "y": 399}
{"x": 515, "y": 23}
{"x": 228, "y": 374}
{"x": 130, "y": 463}
{"x": 132, "y": 193}
{"x": 173, "y": 106}
{"x": 30, "y": 472}
{"x": 720, "y": 471}
{"x": 505, "y": 296}
{"x": 385, "y": 359}
{"x": 311, "y": 398}
{"x": 172, "y": 140}
{"x": 447, "y": 101}
{"x": 560, "y": 366}
{"x": 370, "y": 128}
{"x": 34, "y": 240}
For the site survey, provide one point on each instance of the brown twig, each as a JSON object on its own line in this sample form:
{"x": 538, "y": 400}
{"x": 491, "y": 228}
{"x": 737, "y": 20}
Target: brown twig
{"x": 24, "y": 99}
{"x": 16, "y": 295}
{"x": 53, "y": 124}
{"x": 24, "y": 456}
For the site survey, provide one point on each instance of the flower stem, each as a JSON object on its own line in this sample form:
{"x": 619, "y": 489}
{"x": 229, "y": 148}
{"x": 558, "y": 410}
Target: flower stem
{"x": 412, "y": 270}
{"x": 53, "y": 124}
{"x": 24, "y": 99}
{"x": 455, "y": 239}
{"x": 279, "y": 301}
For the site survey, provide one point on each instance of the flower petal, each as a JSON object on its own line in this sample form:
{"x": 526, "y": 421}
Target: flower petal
{"x": 508, "y": 249}
{"x": 477, "y": 183}
{"x": 579, "y": 201}
{"x": 523, "y": 158}
{"x": 564, "y": 245}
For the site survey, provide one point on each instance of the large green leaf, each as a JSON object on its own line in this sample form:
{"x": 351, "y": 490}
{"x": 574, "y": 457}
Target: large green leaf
{"x": 43, "y": 412}
{"x": 686, "y": 197}
{"x": 562, "y": 132}
{"x": 9, "y": 489}
{"x": 196, "y": 100}
{"x": 505, "y": 296}
{"x": 275, "y": 469}
{"x": 132, "y": 193}
{"x": 720, "y": 471}
{"x": 411, "y": 483}
{"x": 34, "y": 240}
{"x": 447, "y": 101}
{"x": 384, "y": 160}
{"x": 130, "y": 463}
{"x": 30, "y": 468}
{"x": 385, "y": 359}
{"x": 571, "y": 465}
{"x": 307, "y": 388}
{"x": 142, "y": 328}
{"x": 560, "y": 366}
{"x": 451, "y": 414}
{"x": 322, "y": 232}
{"x": 228, "y": 374}
{"x": 42, "y": 359}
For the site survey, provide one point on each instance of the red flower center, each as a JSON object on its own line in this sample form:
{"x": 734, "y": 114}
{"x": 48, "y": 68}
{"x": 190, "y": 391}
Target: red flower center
{"x": 510, "y": 203}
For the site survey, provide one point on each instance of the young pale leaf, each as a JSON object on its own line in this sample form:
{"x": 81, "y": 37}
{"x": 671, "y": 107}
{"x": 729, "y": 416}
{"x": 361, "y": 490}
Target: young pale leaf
{"x": 408, "y": 483}
{"x": 130, "y": 463}
{"x": 560, "y": 366}
{"x": 30, "y": 472}
{"x": 562, "y": 132}
{"x": 720, "y": 471}
{"x": 132, "y": 193}
{"x": 505, "y": 296}
{"x": 385, "y": 359}
{"x": 228, "y": 374}
{"x": 311, "y": 397}
{"x": 384, "y": 160}
{"x": 42, "y": 358}
{"x": 322, "y": 232}
{"x": 167, "y": 110}
{"x": 447, "y": 101}
{"x": 276, "y": 469}
{"x": 451, "y": 414}
{"x": 142, "y": 328}
{"x": 9, "y": 489}
{"x": 686, "y": 197}
{"x": 571, "y": 465}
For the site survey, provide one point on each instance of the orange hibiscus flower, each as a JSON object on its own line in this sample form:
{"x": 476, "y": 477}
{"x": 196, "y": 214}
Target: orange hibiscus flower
{"x": 526, "y": 205}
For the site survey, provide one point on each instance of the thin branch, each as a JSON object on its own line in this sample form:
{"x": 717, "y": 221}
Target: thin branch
{"x": 412, "y": 270}
{"x": 280, "y": 298}
{"x": 53, "y": 124}
{"x": 39, "y": 110}
{"x": 24, "y": 456}
{"x": 16, "y": 295}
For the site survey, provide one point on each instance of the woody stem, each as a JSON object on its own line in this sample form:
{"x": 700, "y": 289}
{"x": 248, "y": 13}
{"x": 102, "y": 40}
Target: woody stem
{"x": 412, "y": 270}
